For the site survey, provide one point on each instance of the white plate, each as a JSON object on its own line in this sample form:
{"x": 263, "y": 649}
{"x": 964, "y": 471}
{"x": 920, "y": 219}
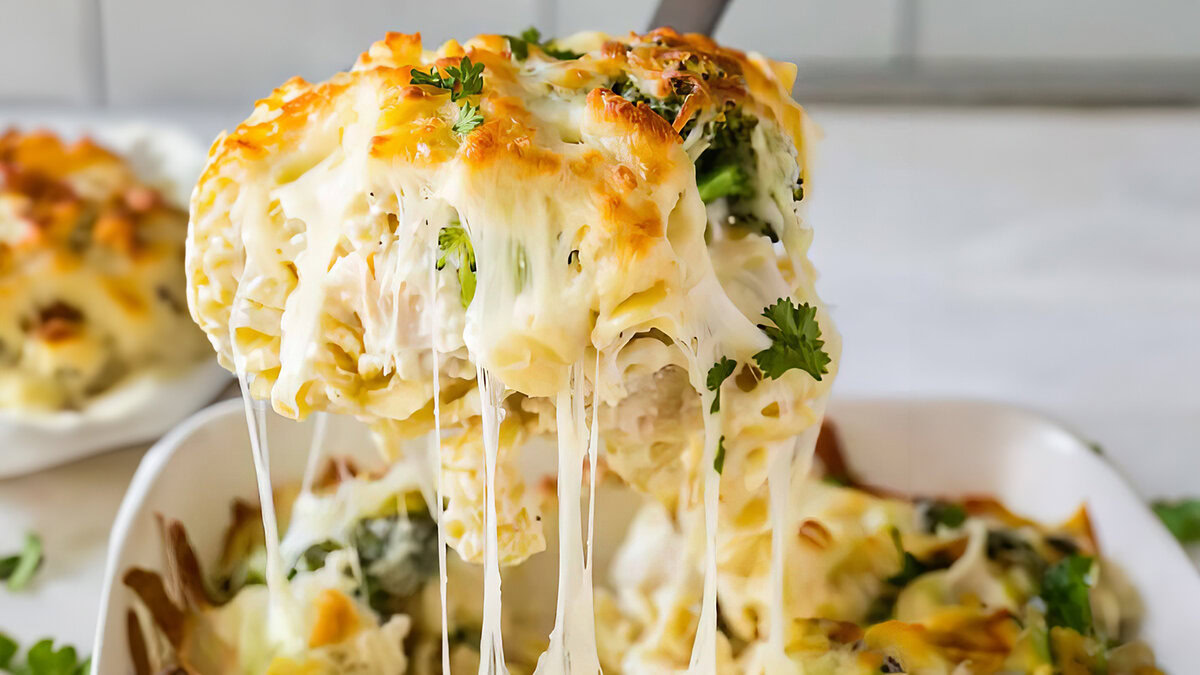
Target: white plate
{"x": 924, "y": 447}
{"x": 146, "y": 405}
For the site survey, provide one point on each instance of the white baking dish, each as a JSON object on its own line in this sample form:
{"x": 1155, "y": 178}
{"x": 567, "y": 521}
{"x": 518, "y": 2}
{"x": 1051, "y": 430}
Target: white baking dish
{"x": 145, "y": 405}
{"x": 923, "y": 447}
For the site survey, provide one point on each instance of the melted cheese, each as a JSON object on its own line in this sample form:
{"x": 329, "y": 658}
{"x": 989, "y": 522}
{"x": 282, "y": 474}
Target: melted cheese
{"x": 310, "y": 267}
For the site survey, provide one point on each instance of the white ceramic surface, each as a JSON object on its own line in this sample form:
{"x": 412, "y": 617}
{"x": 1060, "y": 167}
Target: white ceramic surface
{"x": 145, "y": 405}
{"x": 926, "y": 447}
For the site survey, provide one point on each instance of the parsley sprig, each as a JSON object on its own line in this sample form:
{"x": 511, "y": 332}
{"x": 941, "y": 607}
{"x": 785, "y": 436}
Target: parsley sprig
{"x": 456, "y": 246}
{"x": 1182, "y": 518}
{"x": 41, "y": 659}
{"x": 18, "y": 569}
{"x": 1066, "y": 590}
{"x": 468, "y": 118}
{"x": 461, "y": 81}
{"x": 720, "y": 372}
{"x": 795, "y": 341}
{"x": 519, "y": 46}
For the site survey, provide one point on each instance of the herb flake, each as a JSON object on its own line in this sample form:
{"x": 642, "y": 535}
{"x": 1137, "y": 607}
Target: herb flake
{"x": 720, "y": 372}
{"x": 18, "y": 569}
{"x": 42, "y": 659}
{"x": 468, "y": 119}
{"x": 519, "y": 46}
{"x": 461, "y": 81}
{"x": 1066, "y": 589}
{"x": 1181, "y": 517}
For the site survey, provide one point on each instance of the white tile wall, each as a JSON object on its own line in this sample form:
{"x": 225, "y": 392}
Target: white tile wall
{"x": 48, "y": 51}
{"x": 237, "y": 50}
{"x": 1108, "y": 30}
{"x": 814, "y": 30}
{"x": 217, "y": 52}
{"x": 858, "y": 30}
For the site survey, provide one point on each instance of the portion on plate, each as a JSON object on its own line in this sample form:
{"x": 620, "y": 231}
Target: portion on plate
{"x": 96, "y": 349}
{"x": 883, "y": 584}
{"x": 90, "y": 280}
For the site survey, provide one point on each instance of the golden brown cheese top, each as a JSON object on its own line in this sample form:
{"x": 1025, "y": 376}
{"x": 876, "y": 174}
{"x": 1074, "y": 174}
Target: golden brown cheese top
{"x": 417, "y": 120}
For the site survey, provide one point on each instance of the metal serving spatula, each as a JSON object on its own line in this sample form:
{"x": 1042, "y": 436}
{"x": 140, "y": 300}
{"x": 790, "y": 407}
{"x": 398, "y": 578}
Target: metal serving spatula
{"x": 689, "y": 16}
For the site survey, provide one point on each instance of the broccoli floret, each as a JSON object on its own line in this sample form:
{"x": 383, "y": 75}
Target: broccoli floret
{"x": 729, "y": 180}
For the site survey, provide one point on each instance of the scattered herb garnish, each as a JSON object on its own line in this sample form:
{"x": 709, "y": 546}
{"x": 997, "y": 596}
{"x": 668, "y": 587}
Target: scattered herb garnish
{"x": 910, "y": 566}
{"x": 884, "y": 605}
{"x": 1181, "y": 517}
{"x": 468, "y": 119}
{"x": 465, "y": 79}
{"x": 719, "y": 459}
{"x": 41, "y": 659}
{"x": 519, "y": 46}
{"x": 1065, "y": 589}
{"x": 456, "y": 246}
{"x": 795, "y": 341}
{"x": 720, "y": 371}
{"x": 937, "y": 512}
{"x": 461, "y": 81}
{"x": 18, "y": 569}
{"x": 8, "y": 649}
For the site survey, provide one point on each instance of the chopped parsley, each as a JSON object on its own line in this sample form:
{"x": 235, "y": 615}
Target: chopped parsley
{"x": 461, "y": 81}
{"x": 42, "y": 659}
{"x": 468, "y": 119}
{"x": 519, "y": 46}
{"x": 18, "y": 569}
{"x": 910, "y": 566}
{"x": 8, "y": 649}
{"x": 1065, "y": 589}
{"x": 465, "y": 79}
{"x": 1181, "y": 517}
{"x": 795, "y": 341}
{"x": 937, "y": 512}
{"x": 720, "y": 371}
{"x": 719, "y": 459}
{"x": 455, "y": 245}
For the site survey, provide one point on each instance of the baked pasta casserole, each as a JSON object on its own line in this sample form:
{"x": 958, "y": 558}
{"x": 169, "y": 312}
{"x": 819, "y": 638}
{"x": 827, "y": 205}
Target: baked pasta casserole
{"x": 91, "y": 280}
{"x": 591, "y": 250}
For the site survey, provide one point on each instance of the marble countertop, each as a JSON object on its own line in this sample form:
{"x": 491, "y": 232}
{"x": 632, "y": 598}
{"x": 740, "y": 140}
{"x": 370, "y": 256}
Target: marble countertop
{"x": 1045, "y": 258}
